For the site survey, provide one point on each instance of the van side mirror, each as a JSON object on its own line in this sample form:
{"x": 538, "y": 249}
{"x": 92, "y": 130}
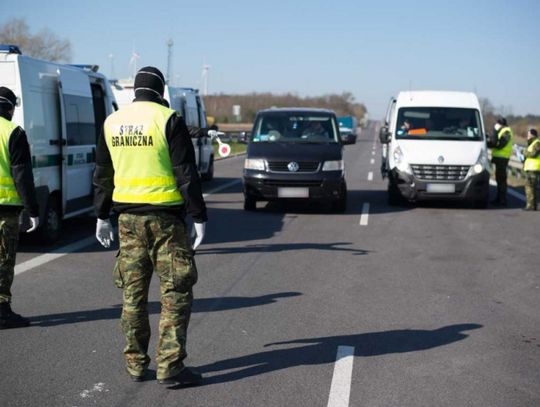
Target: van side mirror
{"x": 384, "y": 135}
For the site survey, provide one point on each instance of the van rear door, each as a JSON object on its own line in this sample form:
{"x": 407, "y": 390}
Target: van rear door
{"x": 78, "y": 140}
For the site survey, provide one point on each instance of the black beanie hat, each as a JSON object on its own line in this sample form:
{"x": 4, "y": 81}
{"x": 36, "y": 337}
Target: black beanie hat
{"x": 534, "y": 132}
{"x": 150, "y": 79}
{"x": 502, "y": 121}
{"x": 7, "y": 96}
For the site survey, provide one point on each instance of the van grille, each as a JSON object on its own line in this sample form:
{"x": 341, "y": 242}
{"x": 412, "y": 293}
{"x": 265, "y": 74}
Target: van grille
{"x": 440, "y": 172}
{"x": 304, "y": 166}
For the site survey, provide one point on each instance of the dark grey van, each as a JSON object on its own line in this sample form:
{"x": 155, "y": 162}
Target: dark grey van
{"x": 295, "y": 153}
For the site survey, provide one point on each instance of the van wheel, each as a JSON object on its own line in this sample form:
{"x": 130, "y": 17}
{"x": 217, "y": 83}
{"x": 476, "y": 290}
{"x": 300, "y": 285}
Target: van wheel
{"x": 49, "y": 231}
{"x": 340, "y": 205}
{"x": 250, "y": 203}
{"x": 209, "y": 175}
{"x": 394, "y": 196}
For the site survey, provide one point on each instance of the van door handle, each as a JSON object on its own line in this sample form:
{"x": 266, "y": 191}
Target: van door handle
{"x": 57, "y": 142}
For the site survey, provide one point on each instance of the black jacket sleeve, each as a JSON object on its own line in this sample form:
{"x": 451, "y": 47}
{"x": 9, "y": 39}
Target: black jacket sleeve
{"x": 103, "y": 179}
{"x": 21, "y": 170}
{"x": 185, "y": 168}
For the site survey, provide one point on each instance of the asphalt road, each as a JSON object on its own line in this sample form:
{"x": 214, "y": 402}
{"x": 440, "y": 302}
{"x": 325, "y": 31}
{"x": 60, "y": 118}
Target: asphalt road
{"x": 434, "y": 304}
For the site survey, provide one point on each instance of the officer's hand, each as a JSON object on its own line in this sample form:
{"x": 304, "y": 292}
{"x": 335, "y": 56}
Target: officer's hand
{"x": 212, "y": 133}
{"x": 104, "y": 232}
{"x": 198, "y": 233}
{"x": 34, "y": 223}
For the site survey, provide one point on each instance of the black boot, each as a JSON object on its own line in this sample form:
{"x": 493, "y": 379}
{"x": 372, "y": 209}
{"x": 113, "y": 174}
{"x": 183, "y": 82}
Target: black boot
{"x": 187, "y": 377}
{"x": 9, "y": 319}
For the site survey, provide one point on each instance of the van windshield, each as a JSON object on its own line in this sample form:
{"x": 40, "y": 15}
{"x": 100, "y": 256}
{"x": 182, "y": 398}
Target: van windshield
{"x": 438, "y": 123}
{"x": 295, "y": 127}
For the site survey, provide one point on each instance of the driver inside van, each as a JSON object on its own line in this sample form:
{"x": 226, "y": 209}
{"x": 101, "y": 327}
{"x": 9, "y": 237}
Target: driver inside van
{"x": 315, "y": 129}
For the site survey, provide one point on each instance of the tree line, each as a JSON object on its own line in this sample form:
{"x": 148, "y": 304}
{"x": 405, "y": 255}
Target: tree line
{"x": 220, "y": 106}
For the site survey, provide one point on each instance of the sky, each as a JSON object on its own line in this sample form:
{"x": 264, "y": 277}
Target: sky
{"x": 372, "y": 49}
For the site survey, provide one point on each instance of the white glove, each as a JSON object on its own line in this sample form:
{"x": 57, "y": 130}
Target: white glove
{"x": 104, "y": 232}
{"x": 198, "y": 234}
{"x": 34, "y": 223}
{"x": 212, "y": 133}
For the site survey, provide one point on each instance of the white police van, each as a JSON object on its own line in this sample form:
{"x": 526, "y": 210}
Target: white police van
{"x": 62, "y": 109}
{"x": 435, "y": 148}
{"x": 190, "y": 105}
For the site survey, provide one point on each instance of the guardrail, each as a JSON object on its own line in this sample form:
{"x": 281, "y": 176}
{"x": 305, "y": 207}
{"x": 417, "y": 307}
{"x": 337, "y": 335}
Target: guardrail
{"x": 235, "y": 136}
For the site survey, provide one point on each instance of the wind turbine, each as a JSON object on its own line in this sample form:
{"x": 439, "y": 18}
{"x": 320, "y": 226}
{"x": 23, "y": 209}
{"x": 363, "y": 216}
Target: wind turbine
{"x": 133, "y": 62}
{"x": 204, "y": 78}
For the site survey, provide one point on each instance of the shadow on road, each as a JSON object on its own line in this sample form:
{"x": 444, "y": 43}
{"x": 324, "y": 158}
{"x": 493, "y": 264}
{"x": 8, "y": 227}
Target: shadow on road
{"x": 318, "y": 351}
{"x": 154, "y": 307}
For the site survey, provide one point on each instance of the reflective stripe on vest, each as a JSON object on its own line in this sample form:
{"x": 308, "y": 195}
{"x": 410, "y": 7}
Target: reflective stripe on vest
{"x": 135, "y": 137}
{"x": 506, "y": 151}
{"x": 8, "y": 192}
{"x": 532, "y": 164}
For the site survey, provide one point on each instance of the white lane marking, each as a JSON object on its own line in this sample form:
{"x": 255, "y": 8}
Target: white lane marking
{"x": 81, "y": 244}
{"x": 55, "y": 254}
{"x": 510, "y": 191}
{"x": 365, "y": 214}
{"x": 370, "y": 176}
{"x": 373, "y": 153}
{"x": 340, "y": 390}
{"x": 372, "y": 161}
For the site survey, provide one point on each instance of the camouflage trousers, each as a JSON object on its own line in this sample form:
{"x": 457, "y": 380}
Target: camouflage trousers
{"x": 9, "y": 239}
{"x": 531, "y": 186}
{"x": 155, "y": 242}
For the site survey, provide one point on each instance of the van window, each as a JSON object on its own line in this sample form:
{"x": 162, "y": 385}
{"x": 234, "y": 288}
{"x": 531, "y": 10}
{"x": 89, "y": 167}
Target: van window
{"x": 438, "y": 123}
{"x": 80, "y": 125}
{"x": 295, "y": 127}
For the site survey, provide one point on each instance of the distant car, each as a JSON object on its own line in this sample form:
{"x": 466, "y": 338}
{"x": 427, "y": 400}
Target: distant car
{"x": 348, "y": 136}
{"x": 295, "y": 153}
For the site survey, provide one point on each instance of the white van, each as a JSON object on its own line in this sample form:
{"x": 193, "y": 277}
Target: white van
{"x": 62, "y": 109}
{"x": 190, "y": 105}
{"x": 436, "y": 148}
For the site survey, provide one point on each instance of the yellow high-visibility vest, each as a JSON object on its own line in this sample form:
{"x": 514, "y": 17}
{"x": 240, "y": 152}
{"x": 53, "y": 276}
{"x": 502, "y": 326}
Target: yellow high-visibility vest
{"x": 506, "y": 151}
{"x": 135, "y": 137}
{"x": 532, "y": 164}
{"x": 8, "y": 192}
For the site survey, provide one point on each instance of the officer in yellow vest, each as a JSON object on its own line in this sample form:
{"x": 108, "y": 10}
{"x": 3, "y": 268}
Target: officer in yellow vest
{"x": 16, "y": 191}
{"x": 532, "y": 169}
{"x": 146, "y": 171}
{"x": 501, "y": 152}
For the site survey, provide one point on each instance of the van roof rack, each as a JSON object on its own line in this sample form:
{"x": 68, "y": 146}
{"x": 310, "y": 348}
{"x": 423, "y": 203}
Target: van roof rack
{"x": 10, "y": 49}
{"x": 87, "y": 67}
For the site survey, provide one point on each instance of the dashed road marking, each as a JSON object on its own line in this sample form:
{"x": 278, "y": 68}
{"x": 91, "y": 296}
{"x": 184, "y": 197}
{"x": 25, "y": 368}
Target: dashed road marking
{"x": 372, "y": 161}
{"x": 373, "y": 153}
{"x": 370, "y": 176}
{"x": 340, "y": 390}
{"x": 364, "y": 217}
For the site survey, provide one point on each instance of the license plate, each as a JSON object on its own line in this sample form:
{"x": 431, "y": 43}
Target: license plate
{"x": 293, "y": 192}
{"x": 441, "y": 188}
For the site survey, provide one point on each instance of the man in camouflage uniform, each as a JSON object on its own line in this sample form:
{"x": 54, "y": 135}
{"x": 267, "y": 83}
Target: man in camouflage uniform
{"x": 16, "y": 191}
{"x": 532, "y": 169}
{"x": 145, "y": 170}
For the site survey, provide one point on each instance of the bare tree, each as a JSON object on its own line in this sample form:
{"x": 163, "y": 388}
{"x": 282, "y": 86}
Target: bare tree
{"x": 44, "y": 44}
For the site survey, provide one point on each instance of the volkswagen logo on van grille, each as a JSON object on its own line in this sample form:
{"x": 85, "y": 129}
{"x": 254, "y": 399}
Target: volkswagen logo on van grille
{"x": 440, "y": 159}
{"x": 293, "y": 166}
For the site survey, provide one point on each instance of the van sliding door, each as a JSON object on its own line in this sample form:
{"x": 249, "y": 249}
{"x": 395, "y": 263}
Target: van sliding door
{"x": 78, "y": 141}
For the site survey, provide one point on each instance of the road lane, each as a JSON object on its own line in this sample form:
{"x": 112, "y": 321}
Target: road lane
{"x": 439, "y": 305}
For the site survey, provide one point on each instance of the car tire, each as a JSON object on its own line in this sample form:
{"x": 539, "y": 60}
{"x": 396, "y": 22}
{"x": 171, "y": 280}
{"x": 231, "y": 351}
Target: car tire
{"x": 250, "y": 203}
{"x": 340, "y": 205}
{"x": 51, "y": 225}
{"x": 394, "y": 195}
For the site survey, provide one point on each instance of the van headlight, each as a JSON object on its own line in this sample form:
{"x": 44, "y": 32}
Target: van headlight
{"x": 400, "y": 162}
{"x": 482, "y": 164}
{"x": 257, "y": 164}
{"x": 337, "y": 165}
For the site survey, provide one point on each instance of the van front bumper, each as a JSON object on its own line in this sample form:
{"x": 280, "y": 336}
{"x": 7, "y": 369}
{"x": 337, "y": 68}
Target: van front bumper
{"x": 475, "y": 187}
{"x": 265, "y": 186}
